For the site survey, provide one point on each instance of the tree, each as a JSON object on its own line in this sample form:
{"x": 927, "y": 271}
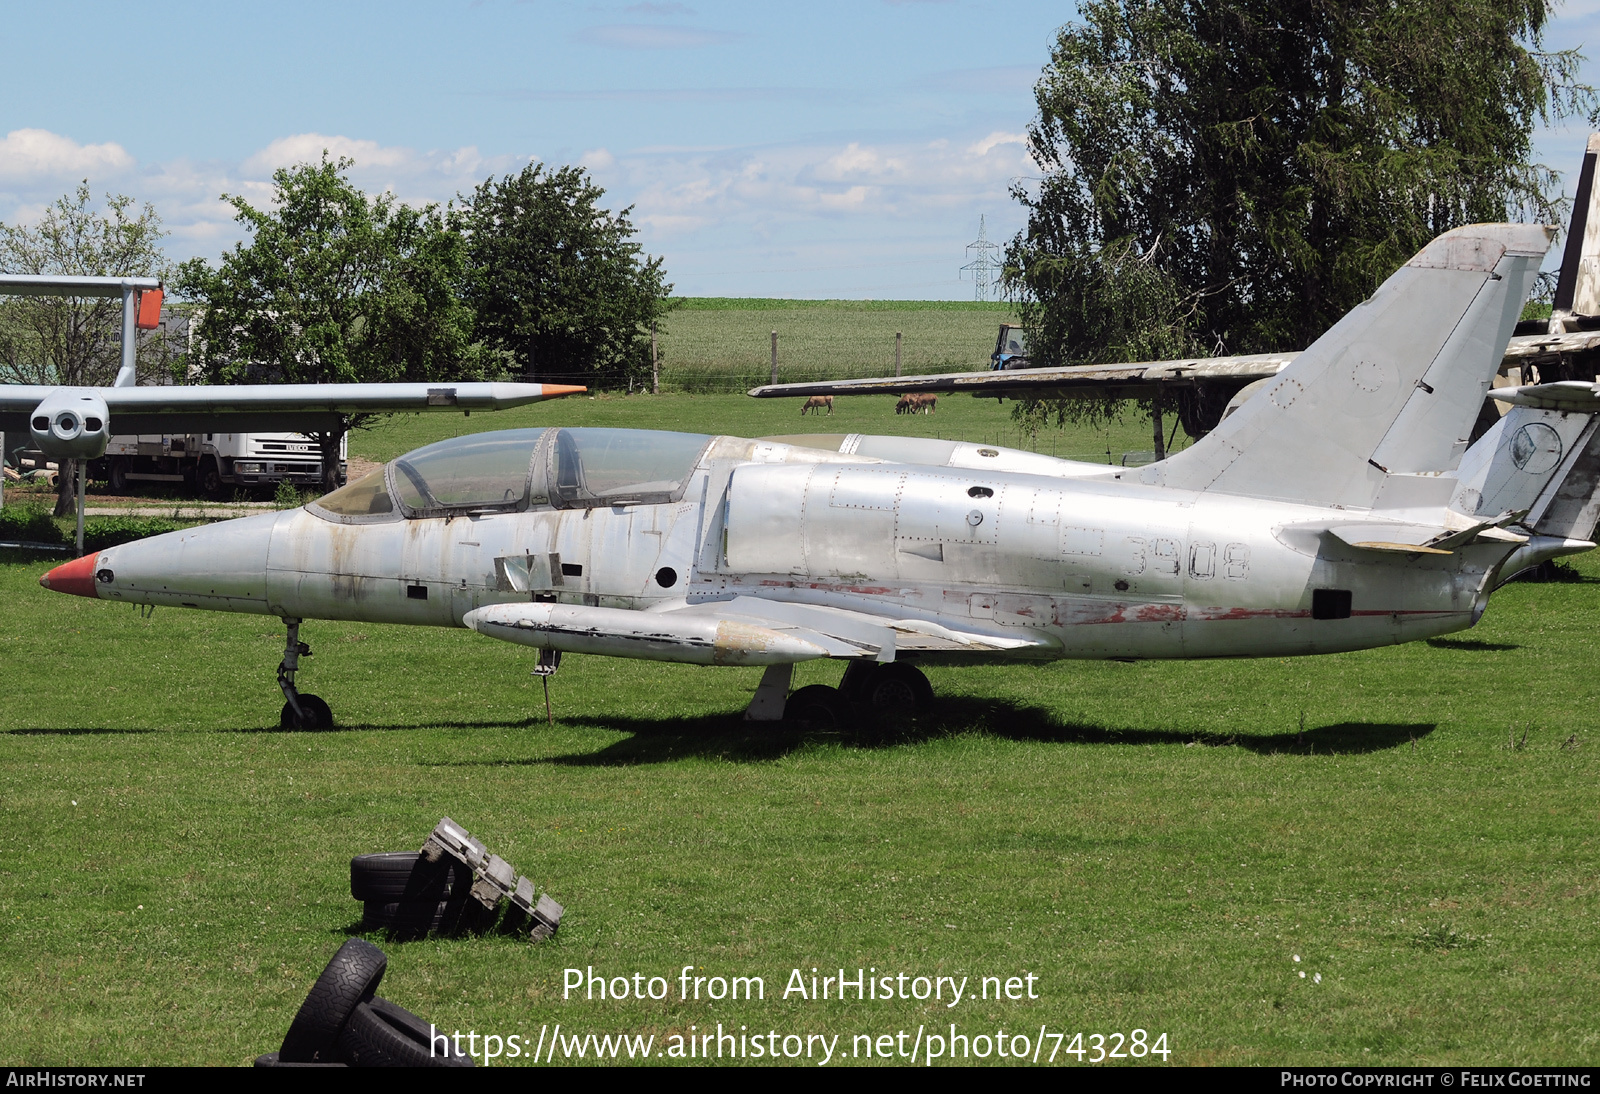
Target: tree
{"x": 334, "y": 287}
{"x": 557, "y": 281}
{"x": 1234, "y": 175}
{"x": 76, "y": 340}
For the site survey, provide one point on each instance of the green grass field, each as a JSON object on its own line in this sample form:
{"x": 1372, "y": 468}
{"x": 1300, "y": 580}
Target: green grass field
{"x": 1155, "y": 842}
{"x": 712, "y": 344}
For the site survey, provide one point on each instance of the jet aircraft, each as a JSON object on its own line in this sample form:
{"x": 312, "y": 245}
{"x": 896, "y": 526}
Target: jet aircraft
{"x": 1341, "y": 510}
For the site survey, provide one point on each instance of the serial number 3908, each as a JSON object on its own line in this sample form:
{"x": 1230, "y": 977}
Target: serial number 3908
{"x": 1111, "y": 1046}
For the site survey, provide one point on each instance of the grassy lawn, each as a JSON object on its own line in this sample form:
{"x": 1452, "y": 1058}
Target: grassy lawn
{"x": 716, "y": 344}
{"x": 1155, "y": 842}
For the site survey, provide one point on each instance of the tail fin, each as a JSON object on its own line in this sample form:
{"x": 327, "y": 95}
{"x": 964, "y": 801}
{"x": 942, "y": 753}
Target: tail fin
{"x": 1391, "y": 389}
{"x": 1578, "y": 289}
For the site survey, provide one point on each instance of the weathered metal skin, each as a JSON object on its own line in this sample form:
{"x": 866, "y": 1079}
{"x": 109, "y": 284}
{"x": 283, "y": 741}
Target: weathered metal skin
{"x": 1096, "y": 568}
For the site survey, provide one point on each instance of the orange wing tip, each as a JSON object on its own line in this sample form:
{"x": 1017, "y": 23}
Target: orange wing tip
{"x": 75, "y": 577}
{"x": 555, "y": 391}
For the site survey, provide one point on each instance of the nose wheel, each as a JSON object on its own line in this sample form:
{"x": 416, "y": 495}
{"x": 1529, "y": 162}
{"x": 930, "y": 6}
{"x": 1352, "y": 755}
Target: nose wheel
{"x": 299, "y": 711}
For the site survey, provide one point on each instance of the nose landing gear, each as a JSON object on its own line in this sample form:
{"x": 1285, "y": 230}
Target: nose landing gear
{"x": 299, "y": 711}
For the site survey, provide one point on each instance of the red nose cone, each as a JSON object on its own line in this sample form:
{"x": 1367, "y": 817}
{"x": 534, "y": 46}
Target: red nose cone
{"x": 75, "y": 577}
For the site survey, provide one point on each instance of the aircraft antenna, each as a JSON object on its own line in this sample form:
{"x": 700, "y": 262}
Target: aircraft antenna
{"x": 986, "y": 265}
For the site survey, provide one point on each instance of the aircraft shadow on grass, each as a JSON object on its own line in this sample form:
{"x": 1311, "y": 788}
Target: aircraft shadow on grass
{"x": 529, "y": 722}
{"x": 1472, "y": 645}
{"x": 729, "y": 737}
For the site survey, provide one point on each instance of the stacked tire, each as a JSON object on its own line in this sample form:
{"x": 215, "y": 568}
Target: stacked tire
{"x": 344, "y": 1023}
{"x": 401, "y": 891}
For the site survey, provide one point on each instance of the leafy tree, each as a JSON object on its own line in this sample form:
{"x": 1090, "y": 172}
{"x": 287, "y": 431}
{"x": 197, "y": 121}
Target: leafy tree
{"x": 557, "y": 281}
{"x": 335, "y": 287}
{"x": 76, "y": 340}
{"x": 1234, "y": 175}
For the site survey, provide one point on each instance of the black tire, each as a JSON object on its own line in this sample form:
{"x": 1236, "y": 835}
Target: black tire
{"x": 897, "y": 690}
{"x": 208, "y": 479}
{"x": 318, "y": 715}
{"x": 117, "y": 475}
{"x": 270, "y": 1059}
{"x": 818, "y": 707}
{"x": 380, "y": 1034}
{"x": 856, "y": 674}
{"x": 406, "y": 876}
{"x": 409, "y": 916}
{"x": 349, "y": 979}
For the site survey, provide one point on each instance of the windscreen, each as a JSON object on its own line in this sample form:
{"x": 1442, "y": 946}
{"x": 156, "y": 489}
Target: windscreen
{"x": 368, "y": 496}
{"x": 617, "y": 466}
{"x": 478, "y": 471}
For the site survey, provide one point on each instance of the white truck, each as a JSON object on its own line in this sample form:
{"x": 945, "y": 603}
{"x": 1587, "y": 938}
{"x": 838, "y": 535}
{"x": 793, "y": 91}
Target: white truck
{"x": 213, "y": 462}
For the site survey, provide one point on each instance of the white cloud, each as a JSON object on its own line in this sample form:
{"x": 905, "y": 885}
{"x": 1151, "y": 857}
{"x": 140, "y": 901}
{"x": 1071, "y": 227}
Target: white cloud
{"x": 39, "y": 153}
{"x": 791, "y": 207}
{"x": 994, "y": 140}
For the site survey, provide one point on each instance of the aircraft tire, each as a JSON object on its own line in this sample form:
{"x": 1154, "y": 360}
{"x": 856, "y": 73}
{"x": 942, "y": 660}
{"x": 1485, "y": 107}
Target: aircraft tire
{"x": 406, "y": 876}
{"x": 348, "y": 980}
{"x": 318, "y": 714}
{"x": 380, "y": 1034}
{"x": 818, "y": 707}
{"x": 897, "y": 689}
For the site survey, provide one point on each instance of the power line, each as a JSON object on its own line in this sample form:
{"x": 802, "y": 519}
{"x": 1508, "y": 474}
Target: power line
{"x": 986, "y": 265}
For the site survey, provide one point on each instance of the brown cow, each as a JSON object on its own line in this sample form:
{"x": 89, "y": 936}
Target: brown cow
{"x": 817, "y": 402}
{"x": 905, "y": 404}
{"x": 927, "y": 403}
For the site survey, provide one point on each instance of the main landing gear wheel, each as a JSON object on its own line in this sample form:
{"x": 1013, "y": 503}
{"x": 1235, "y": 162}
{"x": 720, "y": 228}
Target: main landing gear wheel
{"x": 895, "y": 691}
{"x": 818, "y": 707}
{"x": 316, "y": 714}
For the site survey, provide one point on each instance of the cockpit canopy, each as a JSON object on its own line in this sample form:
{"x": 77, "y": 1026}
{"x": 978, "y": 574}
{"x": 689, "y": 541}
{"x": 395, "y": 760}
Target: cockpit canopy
{"x": 514, "y": 469}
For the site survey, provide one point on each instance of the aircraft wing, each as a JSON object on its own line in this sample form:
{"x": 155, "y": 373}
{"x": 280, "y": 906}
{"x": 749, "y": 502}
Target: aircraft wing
{"x": 1096, "y": 379}
{"x": 1075, "y": 379}
{"x": 743, "y": 631}
{"x": 293, "y": 407}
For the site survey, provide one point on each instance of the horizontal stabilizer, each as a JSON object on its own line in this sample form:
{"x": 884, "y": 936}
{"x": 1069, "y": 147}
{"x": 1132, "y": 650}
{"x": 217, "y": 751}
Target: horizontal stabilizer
{"x": 1577, "y": 396}
{"x": 1425, "y": 539}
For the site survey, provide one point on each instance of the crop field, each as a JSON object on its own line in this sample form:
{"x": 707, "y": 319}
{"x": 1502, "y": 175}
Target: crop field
{"x": 1387, "y": 857}
{"x": 712, "y": 344}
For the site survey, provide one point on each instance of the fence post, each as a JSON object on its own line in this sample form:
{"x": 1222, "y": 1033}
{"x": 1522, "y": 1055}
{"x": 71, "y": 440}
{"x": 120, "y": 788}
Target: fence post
{"x": 897, "y": 353}
{"x": 655, "y": 368}
{"x": 774, "y": 356}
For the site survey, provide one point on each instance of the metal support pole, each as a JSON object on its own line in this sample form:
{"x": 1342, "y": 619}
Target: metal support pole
{"x": 1155, "y": 414}
{"x": 774, "y": 356}
{"x": 82, "y": 467}
{"x": 897, "y": 353}
{"x": 655, "y": 362}
{"x": 126, "y": 372}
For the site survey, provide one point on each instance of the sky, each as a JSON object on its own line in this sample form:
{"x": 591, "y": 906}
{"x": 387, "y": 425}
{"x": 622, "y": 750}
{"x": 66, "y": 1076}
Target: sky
{"x": 821, "y": 150}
